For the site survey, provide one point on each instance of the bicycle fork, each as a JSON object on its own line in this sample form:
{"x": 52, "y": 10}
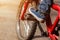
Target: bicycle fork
{"x": 25, "y": 6}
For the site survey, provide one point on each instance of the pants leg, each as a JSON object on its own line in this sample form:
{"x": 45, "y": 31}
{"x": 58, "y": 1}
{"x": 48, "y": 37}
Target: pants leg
{"x": 44, "y": 5}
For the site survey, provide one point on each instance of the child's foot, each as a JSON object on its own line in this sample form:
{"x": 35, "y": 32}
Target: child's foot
{"x": 38, "y": 15}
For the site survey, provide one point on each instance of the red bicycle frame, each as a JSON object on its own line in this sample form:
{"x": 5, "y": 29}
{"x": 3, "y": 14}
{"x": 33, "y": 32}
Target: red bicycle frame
{"x": 24, "y": 10}
{"x": 50, "y": 26}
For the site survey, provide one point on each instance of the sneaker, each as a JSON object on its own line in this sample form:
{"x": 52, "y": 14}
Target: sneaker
{"x": 38, "y": 15}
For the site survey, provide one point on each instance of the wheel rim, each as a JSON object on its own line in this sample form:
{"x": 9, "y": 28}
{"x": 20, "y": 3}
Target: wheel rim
{"x": 24, "y": 27}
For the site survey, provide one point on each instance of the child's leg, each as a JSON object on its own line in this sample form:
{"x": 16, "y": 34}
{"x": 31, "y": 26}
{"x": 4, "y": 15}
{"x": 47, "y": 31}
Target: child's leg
{"x": 44, "y": 5}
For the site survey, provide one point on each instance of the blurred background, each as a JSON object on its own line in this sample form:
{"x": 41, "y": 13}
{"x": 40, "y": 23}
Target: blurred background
{"x": 8, "y": 13}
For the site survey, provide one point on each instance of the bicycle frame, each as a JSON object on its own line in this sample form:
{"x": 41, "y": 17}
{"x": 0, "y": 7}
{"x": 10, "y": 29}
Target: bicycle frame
{"x": 50, "y": 26}
{"x": 24, "y": 10}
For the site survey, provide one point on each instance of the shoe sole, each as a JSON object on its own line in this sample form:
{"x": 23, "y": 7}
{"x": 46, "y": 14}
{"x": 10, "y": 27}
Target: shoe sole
{"x": 39, "y": 19}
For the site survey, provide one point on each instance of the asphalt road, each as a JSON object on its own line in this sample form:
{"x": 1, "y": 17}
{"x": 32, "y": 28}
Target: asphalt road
{"x": 8, "y": 12}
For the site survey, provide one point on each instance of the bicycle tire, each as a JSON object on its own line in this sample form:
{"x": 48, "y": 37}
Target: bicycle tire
{"x": 29, "y": 25}
{"x": 29, "y": 31}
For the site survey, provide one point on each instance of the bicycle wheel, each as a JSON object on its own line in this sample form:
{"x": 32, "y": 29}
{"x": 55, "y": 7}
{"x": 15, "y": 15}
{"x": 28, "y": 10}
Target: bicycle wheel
{"x": 25, "y": 28}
